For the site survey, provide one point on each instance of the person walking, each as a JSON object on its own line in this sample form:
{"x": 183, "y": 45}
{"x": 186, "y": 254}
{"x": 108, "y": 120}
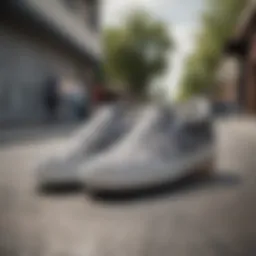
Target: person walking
{"x": 51, "y": 98}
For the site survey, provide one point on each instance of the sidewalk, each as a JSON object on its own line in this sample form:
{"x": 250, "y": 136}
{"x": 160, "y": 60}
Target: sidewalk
{"x": 38, "y": 132}
{"x": 214, "y": 218}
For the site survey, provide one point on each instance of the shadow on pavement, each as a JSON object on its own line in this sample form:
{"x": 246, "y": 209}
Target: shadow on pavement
{"x": 184, "y": 186}
{"x": 71, "y": 188}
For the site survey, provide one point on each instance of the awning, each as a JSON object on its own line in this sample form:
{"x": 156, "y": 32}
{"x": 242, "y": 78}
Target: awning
{"x": 244, "y": 21}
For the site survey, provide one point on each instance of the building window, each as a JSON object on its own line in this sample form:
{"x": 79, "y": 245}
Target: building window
{"x": 92, "y": 14}
{"x": 84, "y": 10}
{"x": 70, "y": 4}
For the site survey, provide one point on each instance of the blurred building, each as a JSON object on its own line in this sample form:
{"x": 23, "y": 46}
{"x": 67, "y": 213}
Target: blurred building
{"x": 242, "y": 46}
{"x": 43, "y": 40}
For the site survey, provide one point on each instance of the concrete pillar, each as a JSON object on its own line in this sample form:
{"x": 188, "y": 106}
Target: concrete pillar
{"x": 227, "y": 80}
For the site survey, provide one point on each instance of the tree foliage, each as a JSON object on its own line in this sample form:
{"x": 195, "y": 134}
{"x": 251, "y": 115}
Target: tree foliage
{"x": 218, "y": 22}
{"x": 136, "y": 52}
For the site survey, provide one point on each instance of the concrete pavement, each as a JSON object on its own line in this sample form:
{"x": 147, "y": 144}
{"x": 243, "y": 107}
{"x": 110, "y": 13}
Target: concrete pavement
{"x": 213, "y": 217}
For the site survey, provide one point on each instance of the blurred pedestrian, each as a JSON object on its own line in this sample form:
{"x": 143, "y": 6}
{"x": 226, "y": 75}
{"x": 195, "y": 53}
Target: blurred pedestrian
{"x": 51, "y": 98}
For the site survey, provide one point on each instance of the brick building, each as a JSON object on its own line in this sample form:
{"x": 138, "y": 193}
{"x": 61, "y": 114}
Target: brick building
{"x": 42, "y": 39}
{"x": 242, "y": 46}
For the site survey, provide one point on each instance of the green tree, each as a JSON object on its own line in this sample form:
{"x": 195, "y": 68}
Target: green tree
{"x": 218, "y": 22}
{"x": 136, "y": 52}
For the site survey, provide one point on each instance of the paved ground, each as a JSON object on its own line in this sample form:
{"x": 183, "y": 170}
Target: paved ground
{"x": 214, "y": 217}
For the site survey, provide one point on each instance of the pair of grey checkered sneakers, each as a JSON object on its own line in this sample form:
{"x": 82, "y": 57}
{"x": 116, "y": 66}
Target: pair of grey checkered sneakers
{"x": 117, "y": 151}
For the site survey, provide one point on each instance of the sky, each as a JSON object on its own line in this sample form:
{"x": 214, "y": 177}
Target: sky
{"x": 182, "y": 17}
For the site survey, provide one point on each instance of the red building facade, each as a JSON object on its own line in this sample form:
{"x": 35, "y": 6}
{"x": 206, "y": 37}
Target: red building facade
{"x": 243, "y": 46}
